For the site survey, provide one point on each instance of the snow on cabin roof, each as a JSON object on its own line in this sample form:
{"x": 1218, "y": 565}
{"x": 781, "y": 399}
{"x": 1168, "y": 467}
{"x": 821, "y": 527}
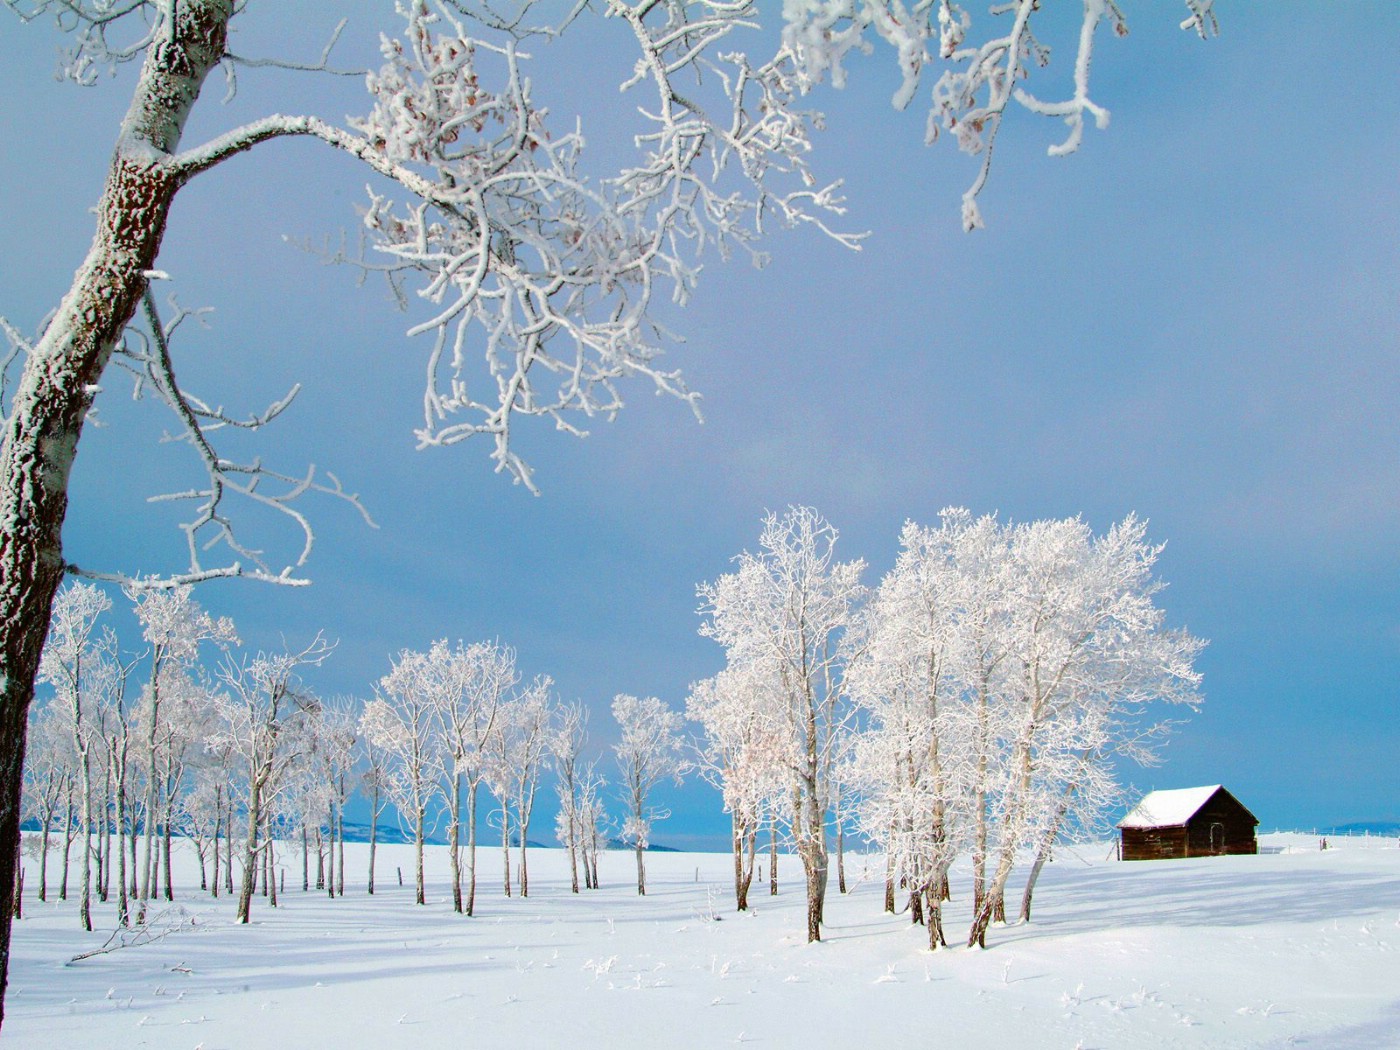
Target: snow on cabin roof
{"x": 1168, "y": 809}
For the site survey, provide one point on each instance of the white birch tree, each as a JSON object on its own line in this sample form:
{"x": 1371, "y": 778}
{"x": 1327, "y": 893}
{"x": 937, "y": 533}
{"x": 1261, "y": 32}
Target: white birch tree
{"x": 259, "y": 711}
{"x": 744, "y": 755}
{"x": 401, "y": 721}
{"x": 649, "y": 753}
{"x": 69, "y": 654}
{"x": 567, "y": 747}
{"x": 786, "y": 609}
{"x": 470, "y": 684}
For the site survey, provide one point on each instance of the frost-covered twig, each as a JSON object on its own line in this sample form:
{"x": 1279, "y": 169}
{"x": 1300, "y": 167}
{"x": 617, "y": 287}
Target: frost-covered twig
{"x": 158, "y": 927}
{"x": 981, "y": 79}
{"x": 147, "y": 356}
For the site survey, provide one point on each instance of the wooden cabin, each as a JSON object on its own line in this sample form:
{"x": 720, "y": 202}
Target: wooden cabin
{"x": 1188, "y": 822}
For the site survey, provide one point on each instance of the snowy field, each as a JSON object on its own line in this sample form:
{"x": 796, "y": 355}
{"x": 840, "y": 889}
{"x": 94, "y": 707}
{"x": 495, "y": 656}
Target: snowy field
{"x": 1295, "y": 947}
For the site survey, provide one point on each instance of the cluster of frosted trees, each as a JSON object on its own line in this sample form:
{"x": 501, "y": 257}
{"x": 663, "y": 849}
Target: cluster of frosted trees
{"x": 972, "y": 705}
{"x": 238, "y": 757}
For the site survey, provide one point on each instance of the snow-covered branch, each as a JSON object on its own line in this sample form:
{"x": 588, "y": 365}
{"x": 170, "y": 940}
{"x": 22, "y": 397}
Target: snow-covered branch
{"x": 147, "y": 355}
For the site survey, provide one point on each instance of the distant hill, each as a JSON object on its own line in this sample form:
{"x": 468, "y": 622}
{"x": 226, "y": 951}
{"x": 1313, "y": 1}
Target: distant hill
{"x": 392, "y": 834}
{"x": 653, "y": 848}
{"x": 1386, "y": 828}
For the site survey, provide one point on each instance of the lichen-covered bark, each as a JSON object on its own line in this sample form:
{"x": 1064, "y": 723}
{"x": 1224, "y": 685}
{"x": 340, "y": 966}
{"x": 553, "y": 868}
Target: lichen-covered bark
{"x": 60, "y": 379}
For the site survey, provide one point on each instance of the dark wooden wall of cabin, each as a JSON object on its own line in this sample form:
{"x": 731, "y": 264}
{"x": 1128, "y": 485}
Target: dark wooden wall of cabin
{"x": 1153, "y": 843}
{"x": 1234, "y": 836}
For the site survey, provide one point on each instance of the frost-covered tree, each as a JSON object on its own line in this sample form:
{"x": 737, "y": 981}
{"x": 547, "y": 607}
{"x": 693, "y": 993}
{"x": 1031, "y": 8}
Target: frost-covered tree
{"x": 744, "y": 755}
{"x": 566, "y": 748}
{"x": 374, "y": 782}
{"x": 259, "y": 712}
{"x": 515, "y": 758}
{"x": 468, "y": 686}
{"x": 174, "y": 625}
{"x": 593, "y": 822}
{"x": 1001, "y": 667}
{"x": 921, "y": 678}
{"x": 514, "y": 247}
{"x": 401, "y": 721}
{"x": 648, "y": 753}
{"x": 1087, "y": 649}
{"x": 785, "y": 610}
{"x": 69, "y": 656}
{"x": 48, "y": 768}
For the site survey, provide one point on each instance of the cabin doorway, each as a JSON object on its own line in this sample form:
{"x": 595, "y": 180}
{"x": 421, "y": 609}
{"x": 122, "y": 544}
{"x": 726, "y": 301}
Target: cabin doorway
{"x": 1217, "y": 839}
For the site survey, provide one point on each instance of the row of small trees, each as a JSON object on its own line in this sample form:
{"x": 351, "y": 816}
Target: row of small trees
{"x": 973, "y": 704}
{"x": 239, "y": 754}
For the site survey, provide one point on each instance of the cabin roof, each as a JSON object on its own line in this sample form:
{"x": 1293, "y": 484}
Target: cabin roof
{"x": 1168, "y": 809}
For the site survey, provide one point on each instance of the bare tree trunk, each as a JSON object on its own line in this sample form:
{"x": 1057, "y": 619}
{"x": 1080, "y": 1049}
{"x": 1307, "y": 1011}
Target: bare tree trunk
{"x": 305, "y": 859}
{"x": 1042, "y": 854}
{"x": 228, "y": 855}
{"x": 373, "y": 833}
{"x": 745, "y": 849}
{"x": 889, "y": 883}
{"x": 44, "y": 859}
{"x": 505, "y": 845}
{"x": 123, "y": 901}
{"x": 330, "y": 854}
{"x": 471, "y": 847}
{"x": 524, "y": 858}
{"x": 841, "y": 859}
{"x": 67, "y": 843}
{"x": 741, "y": 896}
{"x": 419, "y": 894}
{"x": 132, "y": 846}
{"x": 773, "y": 859}
{"x": 270, "y": 866}
{"x": 933, "y": 919}
{"x": 454, "y": 834}
{"x": 165, "y": 848}
{"x": 250, "y": 850}
{"x": 641, "y": 872}
{"x": 85, "y": 768}
{"x": 218, "y": 827}
{"x": 340, "y": 844}
{"x": 104, "y": 839}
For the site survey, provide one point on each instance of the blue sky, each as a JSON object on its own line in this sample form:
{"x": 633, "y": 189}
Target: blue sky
{"x": 1195, "y": 319}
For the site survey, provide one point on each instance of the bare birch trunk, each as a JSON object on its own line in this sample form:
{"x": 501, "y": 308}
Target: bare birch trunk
{"x": 454, "y": 835}
{"x": 340, "y": 848}
{"x": 67, "y": 844}
{"x": 250, "y": 853}
{"x": 373, "y": 833}
{"x": 165, "y": 848}
{"x": 420, "y": 897}
{"x": 123, "y": 901}
{"x": 1042, "y": 854}
{"x": 330, "y": 854}
{"x": 841, "y": 859}
{"x": 471, "y": 847}
{"x": 505, "y": 845}
{"x": 61, "y": 377}
{"x": 773, "y": 859}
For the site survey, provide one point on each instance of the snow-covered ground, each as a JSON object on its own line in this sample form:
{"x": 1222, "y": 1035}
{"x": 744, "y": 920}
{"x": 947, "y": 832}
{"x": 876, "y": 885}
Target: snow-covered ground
{"x": 1295, "y": 947}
